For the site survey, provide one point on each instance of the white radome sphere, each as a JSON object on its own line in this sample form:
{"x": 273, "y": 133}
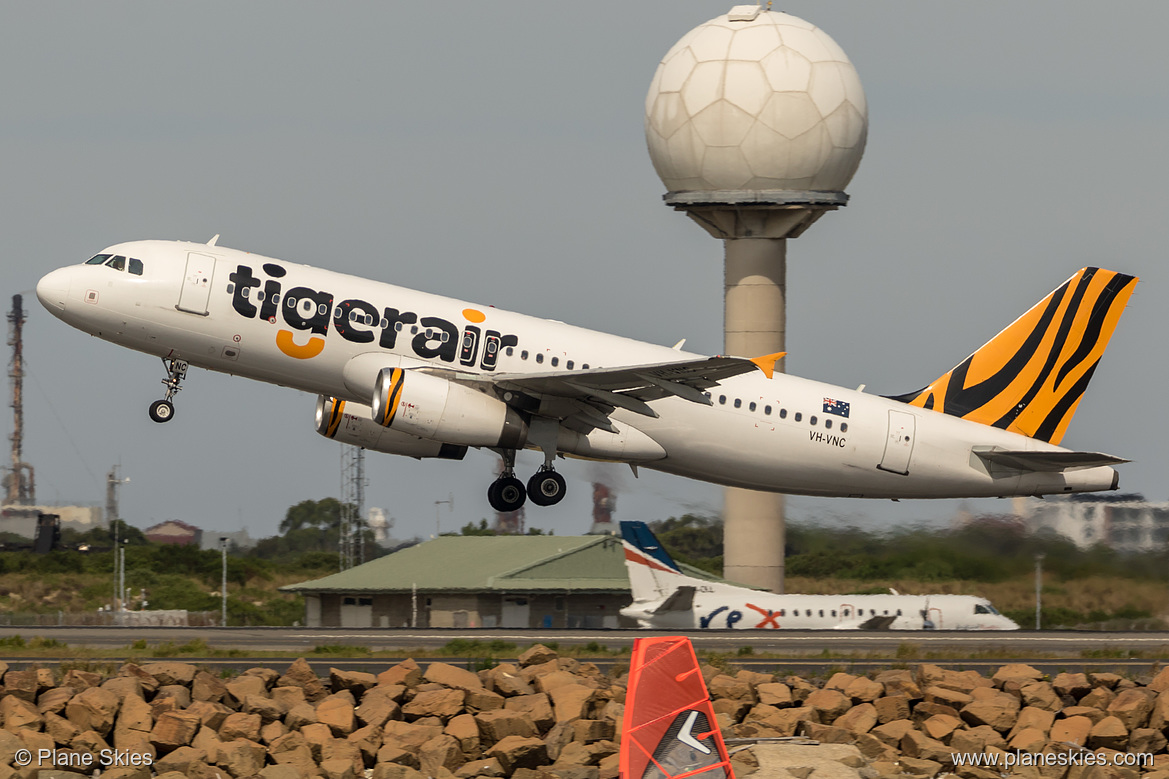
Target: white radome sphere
{"x": 769, "y": 103}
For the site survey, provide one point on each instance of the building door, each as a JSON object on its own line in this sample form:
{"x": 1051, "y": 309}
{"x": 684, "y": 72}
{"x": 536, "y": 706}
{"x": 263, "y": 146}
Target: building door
{"x": 197, "y": 281}
{"x": 516, "y": 613}
{"x": 899, "y": 444}
{"x": 356, "y": 612}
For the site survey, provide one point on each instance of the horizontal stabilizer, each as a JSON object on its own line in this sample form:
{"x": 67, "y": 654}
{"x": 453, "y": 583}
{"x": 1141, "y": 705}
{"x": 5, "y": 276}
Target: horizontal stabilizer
{"x": 1046, "y": 461}
{"x": 681, "y": 599}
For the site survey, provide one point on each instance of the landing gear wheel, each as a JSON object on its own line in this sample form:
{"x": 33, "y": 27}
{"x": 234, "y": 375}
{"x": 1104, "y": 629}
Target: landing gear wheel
{"x": 162, "y": 410}
{"x": 506, "y": 494}
{"x": 546, "y": 488}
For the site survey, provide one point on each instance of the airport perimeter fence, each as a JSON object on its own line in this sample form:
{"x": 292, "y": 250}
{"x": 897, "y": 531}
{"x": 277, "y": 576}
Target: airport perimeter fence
{"x": 159, "y": 619}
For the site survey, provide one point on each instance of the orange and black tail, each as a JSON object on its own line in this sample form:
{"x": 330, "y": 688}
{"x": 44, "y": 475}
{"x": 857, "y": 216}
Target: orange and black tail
{"x": 1030, "y": 377}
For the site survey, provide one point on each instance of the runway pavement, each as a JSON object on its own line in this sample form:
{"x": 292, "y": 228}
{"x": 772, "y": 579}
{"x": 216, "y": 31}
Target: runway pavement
{"x": 909, "y": 645}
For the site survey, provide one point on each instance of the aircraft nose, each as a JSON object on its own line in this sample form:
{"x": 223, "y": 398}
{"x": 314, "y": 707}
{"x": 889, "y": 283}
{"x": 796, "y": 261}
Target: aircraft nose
{"x": 53, "y": 289}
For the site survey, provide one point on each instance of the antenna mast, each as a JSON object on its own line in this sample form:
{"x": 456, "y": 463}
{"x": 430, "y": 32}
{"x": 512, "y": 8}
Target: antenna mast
{"x": 352, "y": 535}
{"x": 21, "y": 479}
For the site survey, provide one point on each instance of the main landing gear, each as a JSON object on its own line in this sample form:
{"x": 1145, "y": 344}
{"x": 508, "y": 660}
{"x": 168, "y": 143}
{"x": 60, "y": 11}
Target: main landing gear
{"x": 176, "y": 371}
{"x": 507, "y": 493}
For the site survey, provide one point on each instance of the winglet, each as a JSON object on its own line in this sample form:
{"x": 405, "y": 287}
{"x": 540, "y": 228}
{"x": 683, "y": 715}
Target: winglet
{"x": 767, "y": 362}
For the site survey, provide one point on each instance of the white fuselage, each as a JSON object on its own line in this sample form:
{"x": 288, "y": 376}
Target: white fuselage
{"x": 330, "y": 333}
{"x": 721, "y": 607}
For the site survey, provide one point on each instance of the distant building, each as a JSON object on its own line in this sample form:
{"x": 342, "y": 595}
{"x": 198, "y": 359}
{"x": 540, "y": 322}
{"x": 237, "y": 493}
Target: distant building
{"x": 238, "y": 538}
{"x": 22, "y": 520}
{"x": 174, "y": 531}
{"x": 1125, "y": 522}
{"x": 479, "y": 581}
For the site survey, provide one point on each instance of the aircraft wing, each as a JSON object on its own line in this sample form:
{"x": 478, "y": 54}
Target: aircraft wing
{"x": 583, "y": 399}
{"x": 1046, "y": 461}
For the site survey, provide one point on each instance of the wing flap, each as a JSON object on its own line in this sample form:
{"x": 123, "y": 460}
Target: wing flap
{"x": 1052, "y": 462}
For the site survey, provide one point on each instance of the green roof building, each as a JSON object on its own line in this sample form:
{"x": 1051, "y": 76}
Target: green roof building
{"x": 479, "y": 581}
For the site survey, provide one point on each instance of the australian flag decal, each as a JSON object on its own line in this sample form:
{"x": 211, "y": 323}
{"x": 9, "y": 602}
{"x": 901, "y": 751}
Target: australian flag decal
{"x": 837, "y": 407}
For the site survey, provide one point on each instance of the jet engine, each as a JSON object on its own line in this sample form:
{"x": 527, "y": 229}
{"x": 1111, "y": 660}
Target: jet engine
{"x": 352, "y": 423}
{"x": 420, "y": 404}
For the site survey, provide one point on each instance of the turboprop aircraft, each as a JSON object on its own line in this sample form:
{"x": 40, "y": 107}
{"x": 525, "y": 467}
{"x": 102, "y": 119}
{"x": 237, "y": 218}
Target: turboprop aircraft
{"x": 417, "y": 374}
{"x": 665, "y": 598}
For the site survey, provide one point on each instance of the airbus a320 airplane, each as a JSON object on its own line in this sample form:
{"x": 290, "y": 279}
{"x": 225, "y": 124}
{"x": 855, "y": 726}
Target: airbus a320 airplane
{"x": 411, "y": 373}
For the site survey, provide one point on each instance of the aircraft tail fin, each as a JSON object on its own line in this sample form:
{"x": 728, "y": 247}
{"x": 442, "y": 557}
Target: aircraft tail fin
{"x": 1030, "y": 377}
{"x": 653, "y": 574}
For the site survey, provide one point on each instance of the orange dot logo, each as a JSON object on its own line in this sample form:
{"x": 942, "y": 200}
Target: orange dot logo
{"x": 471, "y": 315}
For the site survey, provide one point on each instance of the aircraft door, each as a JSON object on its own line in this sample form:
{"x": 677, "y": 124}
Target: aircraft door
{"x": 899, "y": 444}
{"x": 197, "y": 281}
{"x": 847, "y": 612}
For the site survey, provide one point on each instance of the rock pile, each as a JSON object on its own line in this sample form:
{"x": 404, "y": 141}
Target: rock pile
{"x": 547, "y": 717}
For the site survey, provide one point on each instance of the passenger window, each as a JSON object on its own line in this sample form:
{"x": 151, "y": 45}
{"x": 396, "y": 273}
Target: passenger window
{"x": 555, "y": 361}
{"x": 752, "y": 406}
{"x": 799, "y": 416}
{"x": 135, "y": 266}
{"x": 509, "y": 351}
{"x": 445, "y": 335}
{"x": 399, "y": 326}
{"x": 539, "y": 357}
{"x": 821, "y": 612}
{"x": 722, "y": 400}
{"x": 899, "y": 612}
{"x": 524, "y": 354}
{"x": 117, "y": 262}
{"x": 834, "y": 612}
{"x": 781, "y": 612}
{"x": 767, "y": 410}
{"x": 230, "y": 289}
{"x": 97, "y": 259}
{"x": 844, "y": 427}
{"x": 738, "y": 403}
{"x": 812, "y": 420}
{"x": 783, "y": 413}
{"x": 584, "y": 367}
{"x": 569, "y": 365}
{"x": 828, "y": 423}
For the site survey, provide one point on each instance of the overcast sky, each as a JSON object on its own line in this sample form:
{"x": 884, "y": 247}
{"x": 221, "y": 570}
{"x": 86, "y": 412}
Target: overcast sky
{"x": 495, "y": 152}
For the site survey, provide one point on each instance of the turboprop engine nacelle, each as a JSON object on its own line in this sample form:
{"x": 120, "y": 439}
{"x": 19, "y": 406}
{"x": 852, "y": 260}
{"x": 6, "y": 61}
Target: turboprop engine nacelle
{"x": 429, "y": 406}
{"x": 352, "y": 423}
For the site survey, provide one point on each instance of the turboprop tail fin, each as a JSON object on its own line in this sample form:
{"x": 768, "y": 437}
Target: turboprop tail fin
{"x": 1030, "y": 377}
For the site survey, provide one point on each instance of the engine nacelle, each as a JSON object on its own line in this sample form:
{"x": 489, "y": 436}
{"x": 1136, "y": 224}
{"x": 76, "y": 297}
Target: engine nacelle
{"x": 420, "y": 404}
{"x": 352, "y": 423}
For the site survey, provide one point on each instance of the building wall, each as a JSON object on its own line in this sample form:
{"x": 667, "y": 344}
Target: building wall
{"x": 471, "y": 610}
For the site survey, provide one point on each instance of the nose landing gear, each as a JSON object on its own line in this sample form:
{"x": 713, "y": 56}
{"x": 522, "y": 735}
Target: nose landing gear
{"x": 176, "y": 370}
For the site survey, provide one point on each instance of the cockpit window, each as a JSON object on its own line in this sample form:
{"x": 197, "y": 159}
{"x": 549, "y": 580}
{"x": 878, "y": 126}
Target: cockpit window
{"x": 97, "y": 259}
{"x": 136, "y": 266}
{"x": 117, "y": 262}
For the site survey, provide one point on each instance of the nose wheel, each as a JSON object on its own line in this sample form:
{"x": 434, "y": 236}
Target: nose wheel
{"x": 176, "y": 370}
{"x": 162, "y": 410}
